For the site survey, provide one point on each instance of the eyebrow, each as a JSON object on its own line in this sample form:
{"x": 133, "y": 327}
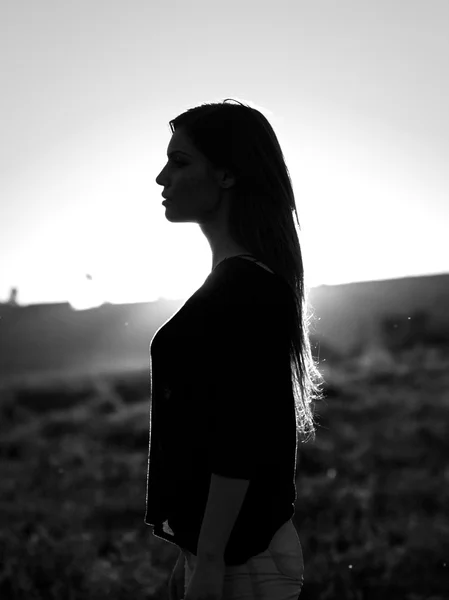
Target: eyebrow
{"x": 170, "y": 154}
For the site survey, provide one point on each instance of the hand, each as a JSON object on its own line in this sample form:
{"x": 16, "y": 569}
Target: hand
{"x": 207, "y": 581}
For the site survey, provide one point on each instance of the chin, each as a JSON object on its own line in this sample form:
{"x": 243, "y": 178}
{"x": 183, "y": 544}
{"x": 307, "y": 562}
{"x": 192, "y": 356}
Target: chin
{"x": 174, "y": 217}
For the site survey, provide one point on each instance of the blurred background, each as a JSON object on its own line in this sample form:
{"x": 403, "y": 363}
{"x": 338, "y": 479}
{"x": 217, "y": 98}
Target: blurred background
{"x": 357, "y": 93}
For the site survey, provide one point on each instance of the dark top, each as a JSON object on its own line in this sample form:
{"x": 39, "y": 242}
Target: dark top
{"x": 222, "y": 403}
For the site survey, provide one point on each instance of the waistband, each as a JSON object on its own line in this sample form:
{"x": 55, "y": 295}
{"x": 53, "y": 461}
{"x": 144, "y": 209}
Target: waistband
{"x": 284, "y": 527}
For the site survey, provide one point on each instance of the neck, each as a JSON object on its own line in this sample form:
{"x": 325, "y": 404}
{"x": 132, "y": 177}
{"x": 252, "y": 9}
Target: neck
{"x": 231, "y": 255}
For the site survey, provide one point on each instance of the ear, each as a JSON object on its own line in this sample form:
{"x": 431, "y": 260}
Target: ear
{"x": 226, "y": 179}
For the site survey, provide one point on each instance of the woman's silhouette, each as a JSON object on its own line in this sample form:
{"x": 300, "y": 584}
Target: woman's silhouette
{"x": 233, "y": 379}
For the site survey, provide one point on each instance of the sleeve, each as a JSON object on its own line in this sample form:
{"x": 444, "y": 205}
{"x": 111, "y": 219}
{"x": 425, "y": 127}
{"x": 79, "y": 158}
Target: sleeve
{"x": 241, "y": 387}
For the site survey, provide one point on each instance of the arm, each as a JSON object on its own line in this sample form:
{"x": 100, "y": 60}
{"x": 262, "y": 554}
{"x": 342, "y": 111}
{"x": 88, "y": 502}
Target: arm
{"x": 176, "y": 583}
{"x": 237, "y": 416}
{"x": 224, "y": 502}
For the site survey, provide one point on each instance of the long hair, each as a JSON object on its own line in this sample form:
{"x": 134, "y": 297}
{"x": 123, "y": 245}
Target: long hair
{"x": 240, "y": 138}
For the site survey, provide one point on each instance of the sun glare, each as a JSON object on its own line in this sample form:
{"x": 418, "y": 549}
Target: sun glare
{"x": 85, "y": 293}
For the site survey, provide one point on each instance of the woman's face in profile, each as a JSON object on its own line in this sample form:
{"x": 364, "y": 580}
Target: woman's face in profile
{"x": 189, "y": 183}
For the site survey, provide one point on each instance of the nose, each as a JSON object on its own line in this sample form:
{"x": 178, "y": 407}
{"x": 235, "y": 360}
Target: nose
{"x": 159, "y": 179}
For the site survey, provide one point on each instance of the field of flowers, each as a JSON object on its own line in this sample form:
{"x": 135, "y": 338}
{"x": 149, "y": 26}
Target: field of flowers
{"x": 372, "y": 508}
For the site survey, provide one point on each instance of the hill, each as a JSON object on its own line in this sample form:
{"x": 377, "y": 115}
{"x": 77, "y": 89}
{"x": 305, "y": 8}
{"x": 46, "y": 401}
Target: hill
{"x": 55, "y": 340}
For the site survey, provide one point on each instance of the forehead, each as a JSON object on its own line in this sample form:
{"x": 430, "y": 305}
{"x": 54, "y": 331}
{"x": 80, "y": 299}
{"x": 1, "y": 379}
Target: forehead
{"x": 179, "y": 141}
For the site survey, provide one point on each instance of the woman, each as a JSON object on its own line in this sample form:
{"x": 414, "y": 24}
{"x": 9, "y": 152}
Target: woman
{"x": 233, "y": 379}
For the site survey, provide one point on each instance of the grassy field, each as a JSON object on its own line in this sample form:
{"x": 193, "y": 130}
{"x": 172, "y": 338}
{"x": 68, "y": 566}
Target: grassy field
{"x": 372, "y": 511}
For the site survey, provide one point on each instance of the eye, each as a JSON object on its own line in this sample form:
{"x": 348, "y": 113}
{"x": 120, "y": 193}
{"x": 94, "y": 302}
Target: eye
{"x": 176, "y": 161}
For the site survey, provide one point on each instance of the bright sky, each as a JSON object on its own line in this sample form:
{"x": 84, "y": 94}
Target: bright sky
{"x": 356, "y": 90}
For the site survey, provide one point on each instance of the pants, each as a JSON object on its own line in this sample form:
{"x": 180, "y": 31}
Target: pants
{"x": 275, "y": 574}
